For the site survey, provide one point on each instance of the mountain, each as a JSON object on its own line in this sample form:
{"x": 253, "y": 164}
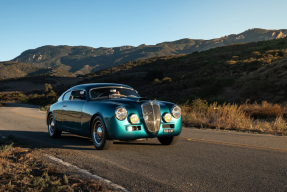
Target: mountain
{"x": 81, "y": 60}
{"x": 255, "y": 71}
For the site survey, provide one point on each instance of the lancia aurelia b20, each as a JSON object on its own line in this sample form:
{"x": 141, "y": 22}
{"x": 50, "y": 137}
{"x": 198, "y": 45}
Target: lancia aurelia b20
{"x": 107, "y": 112}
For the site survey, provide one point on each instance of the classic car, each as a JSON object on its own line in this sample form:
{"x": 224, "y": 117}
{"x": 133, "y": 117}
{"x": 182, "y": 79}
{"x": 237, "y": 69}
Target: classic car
{"x": 108, "y": 111}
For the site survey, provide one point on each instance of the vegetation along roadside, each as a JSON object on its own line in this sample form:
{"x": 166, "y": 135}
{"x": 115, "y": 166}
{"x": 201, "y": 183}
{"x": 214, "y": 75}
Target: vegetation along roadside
{"x": 21, "y": 170}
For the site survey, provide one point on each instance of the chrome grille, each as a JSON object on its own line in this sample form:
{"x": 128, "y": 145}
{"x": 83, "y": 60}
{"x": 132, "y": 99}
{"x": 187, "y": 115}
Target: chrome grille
{"x": 151, "y": 115}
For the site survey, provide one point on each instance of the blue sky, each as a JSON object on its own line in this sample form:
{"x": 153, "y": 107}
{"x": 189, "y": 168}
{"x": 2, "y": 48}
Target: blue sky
{"x": 28, "y": 24}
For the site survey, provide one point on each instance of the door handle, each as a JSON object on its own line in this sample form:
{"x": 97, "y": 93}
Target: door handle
{"x": 64, "y": 105}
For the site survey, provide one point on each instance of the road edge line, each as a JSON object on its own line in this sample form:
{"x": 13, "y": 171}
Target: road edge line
{"x": 13, "y": 110}
{"x": 85, "y": 172}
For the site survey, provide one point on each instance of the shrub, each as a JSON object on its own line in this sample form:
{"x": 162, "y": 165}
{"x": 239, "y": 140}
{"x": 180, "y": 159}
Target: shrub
{"x": 48, "y": 87}
{"x": 231, "y": 62}
{"x": 156, "y": 81}
{"x": 235, "y": 57}
{"x": 264, "y": 109}
{"x": 153, "y": 74}
{"x": 166, "y": 80}
{"x": 232, "y": 116}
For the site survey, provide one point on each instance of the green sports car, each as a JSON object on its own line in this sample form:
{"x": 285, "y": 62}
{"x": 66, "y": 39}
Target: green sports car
{"x": 108, "y": 111}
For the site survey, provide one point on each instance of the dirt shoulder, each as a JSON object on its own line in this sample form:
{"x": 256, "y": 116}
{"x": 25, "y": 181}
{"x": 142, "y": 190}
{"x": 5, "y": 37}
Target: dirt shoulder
{"x": 27, "y": 169}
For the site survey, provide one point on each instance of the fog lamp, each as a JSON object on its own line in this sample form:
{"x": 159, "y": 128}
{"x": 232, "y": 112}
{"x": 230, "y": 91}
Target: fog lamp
{"x": 134, "y": 119}
{"x": 130, "y": 128}
{"x": 167, "y": 117}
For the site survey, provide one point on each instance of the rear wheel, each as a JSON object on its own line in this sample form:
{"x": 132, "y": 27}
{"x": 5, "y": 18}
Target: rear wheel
{"x": 100, "y": 135}
{"x": 52, "y": 129}
{"x": 168, "y": 140}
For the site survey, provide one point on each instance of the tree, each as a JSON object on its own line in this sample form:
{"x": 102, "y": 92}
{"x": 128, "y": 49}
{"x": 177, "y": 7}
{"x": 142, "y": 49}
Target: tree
{"x": 48, "y": 87}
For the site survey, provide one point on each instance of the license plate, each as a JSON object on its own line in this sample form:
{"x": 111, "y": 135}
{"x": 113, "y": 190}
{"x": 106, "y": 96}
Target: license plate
{"x": 168, "y": 130}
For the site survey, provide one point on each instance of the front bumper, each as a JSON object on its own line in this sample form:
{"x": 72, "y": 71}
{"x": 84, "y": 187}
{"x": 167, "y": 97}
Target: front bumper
{"x": 122, "y": 129}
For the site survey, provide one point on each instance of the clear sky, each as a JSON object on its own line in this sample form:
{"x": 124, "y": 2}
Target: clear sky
{"x": 28, "y": 24}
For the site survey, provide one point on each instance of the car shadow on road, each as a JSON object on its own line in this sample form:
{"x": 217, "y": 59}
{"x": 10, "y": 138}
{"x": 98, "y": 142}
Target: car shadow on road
{"x": 20, "y": 105}
{"x": 66, "y": 141}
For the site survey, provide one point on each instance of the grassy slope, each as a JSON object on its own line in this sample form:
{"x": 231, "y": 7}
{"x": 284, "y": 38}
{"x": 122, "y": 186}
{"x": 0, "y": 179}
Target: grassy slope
{"x": 208, "y": 74}
{"x": 12, "y": 69}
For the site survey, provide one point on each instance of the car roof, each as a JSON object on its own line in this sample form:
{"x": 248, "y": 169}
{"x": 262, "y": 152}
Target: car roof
{"x": 98, "y": 85}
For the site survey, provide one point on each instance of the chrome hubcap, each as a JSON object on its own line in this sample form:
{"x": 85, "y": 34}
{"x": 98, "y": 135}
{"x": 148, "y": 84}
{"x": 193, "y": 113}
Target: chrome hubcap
{"x": 98, "y": 134}
{"x": 51, "y": 126}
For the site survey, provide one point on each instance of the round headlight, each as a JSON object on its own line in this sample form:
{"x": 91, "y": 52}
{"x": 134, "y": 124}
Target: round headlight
{"x": 167, "y": 117}
{"x": 121, "y": 113}
{"x": 134, "y": 119}
{"x": 176, "y": 111}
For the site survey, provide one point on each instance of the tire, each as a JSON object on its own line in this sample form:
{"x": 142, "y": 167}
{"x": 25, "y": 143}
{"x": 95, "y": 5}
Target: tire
{"x": 168, "y": 140}
{"x": 100, "y": 135}
{"x": 52, "y": 129}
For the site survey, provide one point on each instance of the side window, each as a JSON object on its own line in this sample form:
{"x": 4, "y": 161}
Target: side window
{"x": 78, "y": 95}
{"x": 67, "y": 96}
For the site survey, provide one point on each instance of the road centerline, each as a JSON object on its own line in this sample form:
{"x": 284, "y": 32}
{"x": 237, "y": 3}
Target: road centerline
{"x": 13, "y": 110}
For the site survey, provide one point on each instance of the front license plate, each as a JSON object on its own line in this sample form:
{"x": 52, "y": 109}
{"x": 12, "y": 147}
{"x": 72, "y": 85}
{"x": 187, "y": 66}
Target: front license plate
{"x": 168, "y": 130}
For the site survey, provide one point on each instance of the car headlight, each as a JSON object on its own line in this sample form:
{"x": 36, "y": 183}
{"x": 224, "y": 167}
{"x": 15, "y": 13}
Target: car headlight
{"x": 121, "y": 113}
{"x": 167, "y": 117}
{"x": 176, "y": 111}
{"x": 134, "y": 118}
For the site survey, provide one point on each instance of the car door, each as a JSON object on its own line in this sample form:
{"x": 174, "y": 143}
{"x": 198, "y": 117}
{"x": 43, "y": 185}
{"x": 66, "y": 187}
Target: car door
{"x": 72, "y": 110}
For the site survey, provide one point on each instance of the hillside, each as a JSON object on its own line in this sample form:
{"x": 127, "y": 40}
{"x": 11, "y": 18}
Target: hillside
{"x": 12, "y": 69}
{"x": 82, "y": 60}
{"x": 234, "y": 73}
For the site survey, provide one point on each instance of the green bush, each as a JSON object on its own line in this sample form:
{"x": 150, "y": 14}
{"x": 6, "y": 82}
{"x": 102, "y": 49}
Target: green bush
{"x": 153, "y": 74}
{"x": 231, "y": 62}
{"x": 156, "y": 81}
{"x": 48, "y": 87}
{"x": 166, "y": 80}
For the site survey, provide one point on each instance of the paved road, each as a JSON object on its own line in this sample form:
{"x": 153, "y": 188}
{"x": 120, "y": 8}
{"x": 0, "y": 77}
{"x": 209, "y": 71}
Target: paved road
{"x": 203, "y": 160}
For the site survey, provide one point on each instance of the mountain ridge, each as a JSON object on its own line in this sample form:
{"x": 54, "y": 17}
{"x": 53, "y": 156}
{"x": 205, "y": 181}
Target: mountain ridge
{"x": 81, "y": 60}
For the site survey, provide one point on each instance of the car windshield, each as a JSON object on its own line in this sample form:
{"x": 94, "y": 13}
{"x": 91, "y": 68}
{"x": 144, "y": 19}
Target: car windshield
{"x": 112, "y": 92}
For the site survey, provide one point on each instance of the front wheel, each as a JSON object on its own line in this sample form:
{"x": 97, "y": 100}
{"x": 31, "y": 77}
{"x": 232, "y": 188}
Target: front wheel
{"x": 168, "y": 140}
{"x": 100, "y": 135}
{"x": 52, "y": 129}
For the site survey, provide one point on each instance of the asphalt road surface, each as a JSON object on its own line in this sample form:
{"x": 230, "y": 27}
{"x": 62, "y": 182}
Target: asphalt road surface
{"x": 202, "y": 160}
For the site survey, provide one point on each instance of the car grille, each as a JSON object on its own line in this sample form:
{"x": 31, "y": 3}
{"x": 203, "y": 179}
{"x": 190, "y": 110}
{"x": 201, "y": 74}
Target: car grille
{"x": 151, "y": 115}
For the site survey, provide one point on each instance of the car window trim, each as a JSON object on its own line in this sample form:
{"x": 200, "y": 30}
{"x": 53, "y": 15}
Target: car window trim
{"x": 78, "y": 90}
{"x": 65, "y": 95}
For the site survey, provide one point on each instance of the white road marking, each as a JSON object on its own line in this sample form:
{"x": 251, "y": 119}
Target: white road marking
{"x": 87, "y": 173}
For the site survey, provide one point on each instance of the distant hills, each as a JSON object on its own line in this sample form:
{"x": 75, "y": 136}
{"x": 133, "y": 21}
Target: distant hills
{"x": 254, "y": 71}
{"x": 81, "y": 60}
